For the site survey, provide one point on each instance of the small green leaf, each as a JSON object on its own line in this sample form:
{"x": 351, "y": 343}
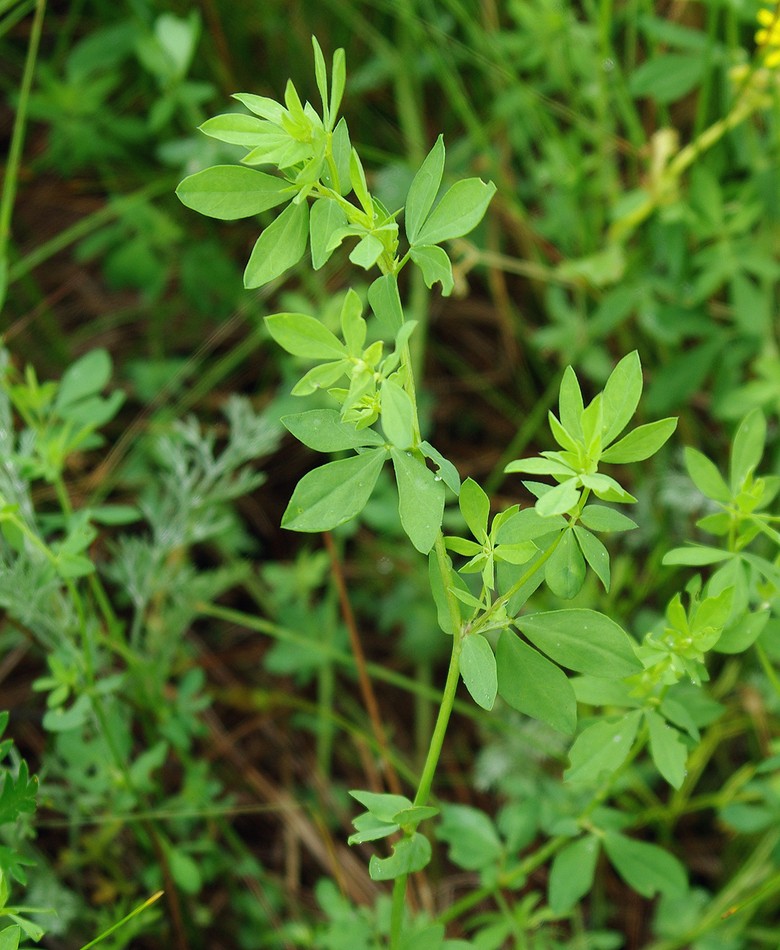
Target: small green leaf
{"x": 236, "y": 129}
{"x": 333, "y": 493}
{"x": 435, "y": 265}
{"x": 564, "y": 572}
{"x": 439, "y": 592}
{"x": 527, "y": 525}
{"x": 338, "y": 80}
{"x": 86, "y": 377}
{"x": 266, "y": 108}
{"x": 571, "y": 874}
{"x": 644, "y": 866}
{"x": 475, "y": 508}
{"x": 325, "y": 219}
{"x": 666, "y": 748}
{"x": 423, "y": 190}
{"x": 279, "y": 247}
{"x": 471, "y": 836}
{"x": 369, "y": 828}
{"x": 747, "y": 449}
{"x": 641, "y": 442}
{"x": 447, "y": 471}
{"x": 478, "y": 670}
{"x": 600, "y": 518}
{"x": 304, "y": 336}
{"x": 570, "y": 406}
{"x": 459, "y": 211}
{"x": 323, "y": 431}
{"x": 533, "y": 685}
{"x": 696, "y": 555}
{"x": 582, "y": 640}
{"x": 621, "y": 396}
{"x": 601, "y": 749}
{"x": 321, "y": 77}
{"x": 366, "y": 252}
{"x": 737, "y": 637}
{"x": 409, "y": 855}
{"x": 595, "y": 554}
{"x": 230, "y": 192}
{"x": 382, "y": 805}
{"x": 397, "y": 415}
{"x": 559, "y": 500}
{"x": 420, "y": 500}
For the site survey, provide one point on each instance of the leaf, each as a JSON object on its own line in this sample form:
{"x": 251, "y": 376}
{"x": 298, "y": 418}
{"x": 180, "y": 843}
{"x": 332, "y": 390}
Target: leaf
{"x": 410, "y": 854}
{"x": 601, "y": 518}
{"x": 236, "y": 129}
{"x": 533, "y": 685}
{"x": 527, "y": 525}
{"x": 304, "y": 336}
{"x": 601, "y": 749}
{"x": 695, "y": 556}
{"x": 438, "y": 592}
{"x": 333, "y": 493}
{"x": 397, "y": 415}
{"x": 423, "y": 190}
{"x": 564, "y": 572}
{"x": 559, "y": 500}
{"x": 570, "y": 405}
{"x": 621, "y": 396}
{"x": 325, "y": 219}
{"x": 420, "y": 500}
{"x": 644, "y": 866}
{"x": 261, "y": 105}
{"x": 381, "y": 805}
{"x": 366, "y": 252}
{"x": 478, "y": 670}
{"x": 279, "y": 247}
{"x": 705, "y": 476}
{"x": 582, "y": 640}
{"x": 18, "y": 794}
{"x": 641, "y": 442}
{"x": 86, "y": 377}
{"x": 321, "y": 78}
{"x": 747, "y": 449}
{"x": 337, "y": 82}
{"x": 595, "y": 554}
{"x": 435, "y": 266}
{"x": 667, "y": 77}
{"x": 230, "y": 192}
{"x": 323, "y": 431}
{"x": 471, "y": 835}
{"x": 447, "y": 471}
{"x": 385, "y": 301}
{"x": 571, "y": 874}
{"x": 737, "y": 637}
{"x": 666, "y": 748}
{"x": 475, "y": 508}
{"x": 459, "y": 211}
{"x": 9, "y": 937}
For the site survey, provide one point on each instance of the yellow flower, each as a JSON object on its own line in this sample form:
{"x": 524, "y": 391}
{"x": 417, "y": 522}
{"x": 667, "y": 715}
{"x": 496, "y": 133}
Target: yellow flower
{"x": 768, "y": 37}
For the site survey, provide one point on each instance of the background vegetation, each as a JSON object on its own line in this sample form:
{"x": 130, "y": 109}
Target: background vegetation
{"x": 193, "y": 709}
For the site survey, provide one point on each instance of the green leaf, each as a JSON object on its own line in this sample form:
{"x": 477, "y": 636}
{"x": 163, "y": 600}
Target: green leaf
{"x": 527, "y": 525}
{"x": 570, "y": 405}
{"x": 564, "y": 572}
{"x": 533, "y": 685}
{"x": 381, "y": 805}
{"x": 9, "y": 937}
{"x": 475, "y": 508}
{"x": 621, "y": 396}
{"x": 695, "y": 556}
{"x": 644, "y": 866}
{"x": 266, "y": 108}
{"x": 323, "y": 431}
{"x": 439, "y": 593}
{"x": 321, "y": 77}
{"x": 471, "y": 835}
{"x": 582, "y": 640}
{"x": 423, "y": 190}
{"x": 641, "y": 442}
{"x": 601, "y": 749}
{"x": 409, "y": 855}
{"x": 600, "y": 518}
{"x": 322, "y": 376}
{"x": 559, "y": 500}
{"x": 747, "y": 449}
{"x": 338, "y": 81}
{"x": 230, "y": 192}
{"x": 369, "y": 828}
{"x": 447, "y": 471}
{"x": 420, "y": 500}
{"x": 333, "y": 493}
{"x": 86, "y": 377}
{"x": 397, "y": 415}
{"x": 325, "y": 219}
{"x": 435, "y": 266}
{"x": 366, "y": 252}
{"x": 667, "y": 77}
{"x": 595, "y": 554}
{"x": 304, "y": 336}
{"x": 571, "y": 874}
{"x": 459, "y": 211}
{"x": 385, "y": 301}
{"x": 478, "y": 670}
{"x": 279, "y": 247}
{"x": 738, "y": 636}
{"x": 235, "y": 129}
{"x": 666, "y": 748}
{"x": 705, "y": 476}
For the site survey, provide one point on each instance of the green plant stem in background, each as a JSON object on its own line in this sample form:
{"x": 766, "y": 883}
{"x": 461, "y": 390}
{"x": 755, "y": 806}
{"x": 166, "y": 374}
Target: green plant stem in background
{"x": 17, "y": 141}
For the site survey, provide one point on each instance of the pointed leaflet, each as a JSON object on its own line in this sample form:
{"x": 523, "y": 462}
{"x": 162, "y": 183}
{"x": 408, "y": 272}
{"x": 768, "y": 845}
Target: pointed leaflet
{"x": 595, "y": 554}
{"x": 435, "y": 265}
{"x": 333, "y": 493}
{"x": 230, "y": 192}
{"x": 601, "y": 749}
{"x": 601, "y": 518}
{"x": 558, "y": 500}
{"x": 667, "y": 749}
{"x": 385, "y": 301}
{"x": 570, "y": 406}
{"x": 471, "y": 837}
{"x": 582, "y": 640}
{"x": 325, "y": 219}
{"x": 304, "y": 336}
{"x": 747, "y": 449}
{"x": 420, "y": 500}
{"x": 571, "y": 874}
{"x": 478, "y": 670}
{"x": 279, "y": 247}
{"x": 533, "y": 685}
{"x": 621, "y": 396}
{"x": 459, "y": 211}
{"x": 564, "y": 572}
{"x": 641, "y": 442}
{"x": 423, "y": 190}
{"x": 409, "y": 854}
{"x": 397, "y": 415}
{"x": 323, "y": 431}
{"x": 644, "y": 866}
{"x": 475, "y": 508}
